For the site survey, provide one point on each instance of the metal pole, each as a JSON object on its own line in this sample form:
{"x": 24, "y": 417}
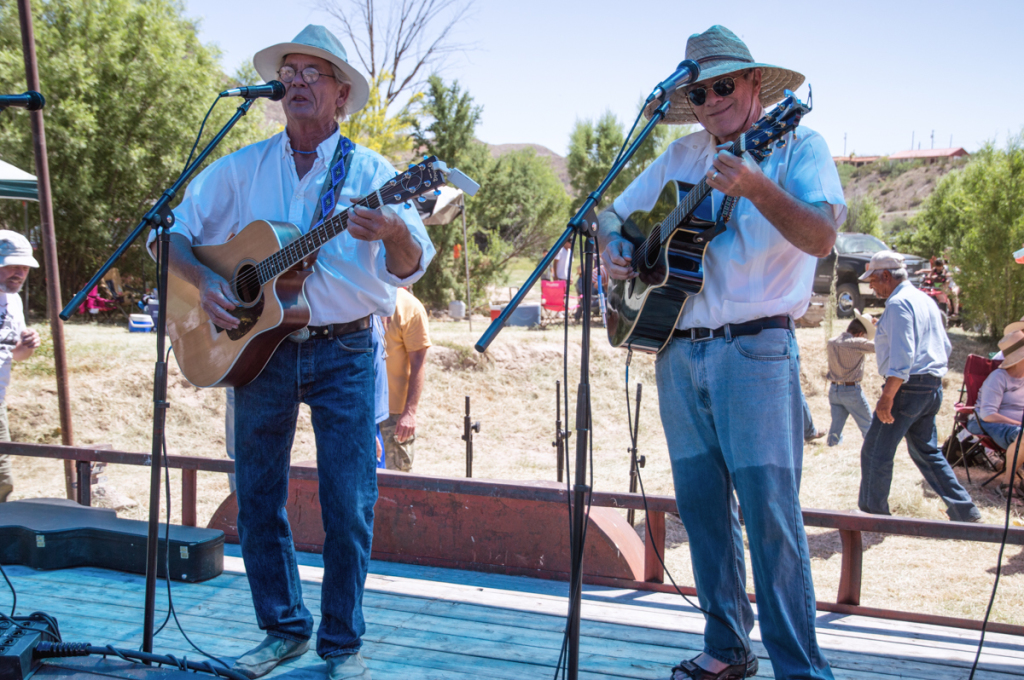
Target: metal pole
{"x": 465, "y": 257}
{"x": 559, "y": 442}
{"x": 468, "y": 428}
{"x": 53, "y": 300}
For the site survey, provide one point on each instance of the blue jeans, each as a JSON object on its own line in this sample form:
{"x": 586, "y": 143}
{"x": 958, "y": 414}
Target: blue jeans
{"x": 336, "y": 379}
{"x": 1003, "y": 434}
{"x": 847, "y": 400}
{"x": 913, "y": 409}
{"x": 809, "y": 429}
{"x": 733, "y": 420}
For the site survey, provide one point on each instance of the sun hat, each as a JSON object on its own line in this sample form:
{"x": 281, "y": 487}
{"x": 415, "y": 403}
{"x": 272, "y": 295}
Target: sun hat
{"x": 1014, "y": 327}
{"x": 15, "y": 250}
{"x": 315, "y": 41}
{"x": 865, "y": 320}
{"x": 719, "y": 52}
{"x": 1012, "y": 347}
{"x": 881, "y": 261}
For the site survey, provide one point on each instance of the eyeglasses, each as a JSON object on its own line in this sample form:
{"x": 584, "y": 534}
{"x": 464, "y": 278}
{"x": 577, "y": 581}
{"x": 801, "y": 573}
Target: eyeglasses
{"x": 309, "y": 75}
{"x": 723, "y": 88}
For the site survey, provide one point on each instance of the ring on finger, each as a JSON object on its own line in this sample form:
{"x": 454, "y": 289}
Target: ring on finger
{"x": 715, "y": 175}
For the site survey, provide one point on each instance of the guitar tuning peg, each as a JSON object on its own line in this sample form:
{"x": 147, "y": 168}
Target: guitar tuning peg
{"x": 781, "y": 144}
{"x": 406, "y": 205}
{"x": 411, "y": 166}
{"x": 437, "y": 192}
{"x": 421, "y": 199}
{"x": 425, "y": 157}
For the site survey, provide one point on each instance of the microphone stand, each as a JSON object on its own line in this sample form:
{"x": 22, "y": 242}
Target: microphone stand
{"x": 161, "y": 218}
{"x": 584, "y": 224}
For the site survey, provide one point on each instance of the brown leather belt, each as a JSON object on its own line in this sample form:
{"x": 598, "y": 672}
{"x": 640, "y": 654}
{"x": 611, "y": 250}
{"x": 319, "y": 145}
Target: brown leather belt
{"x": 331, "y": 330}
{"x": 848, "y": 384}
{"x": 735, "y": 329}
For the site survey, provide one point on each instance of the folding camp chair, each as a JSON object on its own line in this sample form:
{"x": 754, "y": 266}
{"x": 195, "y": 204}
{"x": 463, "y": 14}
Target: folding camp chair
{"x": 963, "y": 447}
{"x": 552, "y": 301}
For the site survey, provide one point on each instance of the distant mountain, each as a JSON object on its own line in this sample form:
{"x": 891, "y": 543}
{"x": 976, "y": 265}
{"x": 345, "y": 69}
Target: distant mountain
{"x": 557, "y": 162}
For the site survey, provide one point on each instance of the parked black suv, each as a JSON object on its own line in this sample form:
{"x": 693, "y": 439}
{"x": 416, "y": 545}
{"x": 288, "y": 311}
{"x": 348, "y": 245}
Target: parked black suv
{"x": 853, "y": 252}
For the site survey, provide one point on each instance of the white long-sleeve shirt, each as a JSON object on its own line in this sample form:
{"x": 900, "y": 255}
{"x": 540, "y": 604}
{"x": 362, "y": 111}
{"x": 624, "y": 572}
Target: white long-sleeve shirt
{"x": 259, "y": 182}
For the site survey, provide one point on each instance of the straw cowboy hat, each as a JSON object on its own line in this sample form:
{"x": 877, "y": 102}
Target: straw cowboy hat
{"x": 1012, "y": 347}
{"x": 719, "y": 52}
{"x": 865, "y": 320}
{"x": 315, "y": 41}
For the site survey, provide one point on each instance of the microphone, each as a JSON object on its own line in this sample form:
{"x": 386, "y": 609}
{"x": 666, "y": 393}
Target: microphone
{"x": 33, "y": 101}
{"x": 687, "y": 72}
{"x": 274, "y": 89}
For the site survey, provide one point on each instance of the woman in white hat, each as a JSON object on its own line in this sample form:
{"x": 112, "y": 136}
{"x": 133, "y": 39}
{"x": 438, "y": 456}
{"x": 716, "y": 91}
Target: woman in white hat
{"x": 1000, "y": 404}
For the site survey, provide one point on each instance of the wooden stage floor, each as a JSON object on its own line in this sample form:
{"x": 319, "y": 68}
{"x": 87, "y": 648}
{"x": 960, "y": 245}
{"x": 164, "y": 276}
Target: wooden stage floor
{"x": 427, "y": 623}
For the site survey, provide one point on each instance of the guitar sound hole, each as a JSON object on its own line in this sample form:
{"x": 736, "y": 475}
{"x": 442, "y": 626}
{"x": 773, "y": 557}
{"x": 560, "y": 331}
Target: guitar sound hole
{"x": 247, "y": 284}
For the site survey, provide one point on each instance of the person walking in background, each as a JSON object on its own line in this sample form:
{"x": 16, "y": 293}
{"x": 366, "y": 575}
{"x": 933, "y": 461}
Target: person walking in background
{"x": 17, "y": 342}
{"x": 846, "y": 353}
{"x": 560, "y": 265}
{"x": 913, "y": 352}
{"x": 407, "y": 338}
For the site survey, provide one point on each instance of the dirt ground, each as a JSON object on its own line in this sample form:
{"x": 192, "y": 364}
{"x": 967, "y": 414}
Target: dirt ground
{"x": 512, "y": 391}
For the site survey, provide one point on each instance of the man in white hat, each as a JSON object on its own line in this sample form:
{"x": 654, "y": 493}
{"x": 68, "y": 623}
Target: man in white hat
{"x": 16, "y": 341}
{"x": 1000, "y": 404}
{"x": 290, "y": 178}
{"x": 912, "y": 349}
{"x": 729, "y": 381}
{"x": 846, "y": 353}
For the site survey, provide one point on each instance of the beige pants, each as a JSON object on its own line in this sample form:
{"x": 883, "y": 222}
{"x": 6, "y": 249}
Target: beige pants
{"x": 397, "y": 455}
{"x": 6, "y": 476}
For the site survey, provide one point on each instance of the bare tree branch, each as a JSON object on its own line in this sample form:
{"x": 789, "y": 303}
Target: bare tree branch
{"x": 415, "y": 38}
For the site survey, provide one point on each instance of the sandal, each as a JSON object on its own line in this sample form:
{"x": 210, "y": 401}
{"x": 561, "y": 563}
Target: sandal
{"x": 694, "y": 672}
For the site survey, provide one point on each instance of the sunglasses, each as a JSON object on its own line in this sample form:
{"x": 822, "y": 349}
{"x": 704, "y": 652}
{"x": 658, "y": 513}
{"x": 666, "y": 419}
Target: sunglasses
{"x": 723, "y": 88}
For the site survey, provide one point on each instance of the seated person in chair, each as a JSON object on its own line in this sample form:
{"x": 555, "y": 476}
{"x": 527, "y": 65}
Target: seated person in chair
{"x": 1001, "y": 400}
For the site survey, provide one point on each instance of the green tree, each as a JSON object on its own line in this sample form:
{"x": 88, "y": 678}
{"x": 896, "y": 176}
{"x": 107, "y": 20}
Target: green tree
{"x": 593, "y": 147}
{"x": 375, "y": 129}
{"x": 453, "y": 122}
{"x": 977, "y": 213}
{"x": 863, "y": 217}
{"x": 127, "y": 83}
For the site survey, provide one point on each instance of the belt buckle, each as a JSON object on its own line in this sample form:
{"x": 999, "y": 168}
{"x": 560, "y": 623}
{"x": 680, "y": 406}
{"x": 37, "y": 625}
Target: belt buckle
{"x": 300, "y": 335}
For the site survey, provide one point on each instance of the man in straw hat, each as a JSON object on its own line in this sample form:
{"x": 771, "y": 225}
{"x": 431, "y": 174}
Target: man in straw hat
{"x": 729, "y": 381}
{"x": 17, "y": 342}
{"x": 291, "y": 177}
{"x": 846, "y": 353}
{"x": 912, "y": 349}
{"x": 1000, "y": 403}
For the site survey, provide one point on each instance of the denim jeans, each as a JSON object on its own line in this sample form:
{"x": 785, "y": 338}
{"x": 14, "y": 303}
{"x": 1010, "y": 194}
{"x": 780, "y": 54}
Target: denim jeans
{"x": 847, "y": 400}
{"x": 1003, "y": 434}
{"x": 809, "y": 429}
{"x": 336, "y": 379}
{"x": 913, "y": 409}
{"x": 732, "y": 416}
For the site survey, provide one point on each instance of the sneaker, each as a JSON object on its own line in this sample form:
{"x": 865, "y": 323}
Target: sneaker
{"x": 348, "y": 667}
{"x": 261, "y": 660}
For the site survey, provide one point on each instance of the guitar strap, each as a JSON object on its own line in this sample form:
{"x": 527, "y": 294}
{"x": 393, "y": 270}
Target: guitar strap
{"x": 338, "y": 170}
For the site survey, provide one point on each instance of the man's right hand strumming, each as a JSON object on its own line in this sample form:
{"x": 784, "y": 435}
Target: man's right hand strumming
{"x": 215, "y": 294}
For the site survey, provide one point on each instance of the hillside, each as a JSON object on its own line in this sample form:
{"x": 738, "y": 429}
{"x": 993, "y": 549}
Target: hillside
{"x": 898, "y": 189}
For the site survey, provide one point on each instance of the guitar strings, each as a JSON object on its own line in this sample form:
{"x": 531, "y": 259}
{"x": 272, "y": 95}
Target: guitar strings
{"x": 655, "y": 240}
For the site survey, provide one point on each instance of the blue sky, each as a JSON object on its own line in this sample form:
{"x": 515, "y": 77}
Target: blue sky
{"x": 881, "y": 71}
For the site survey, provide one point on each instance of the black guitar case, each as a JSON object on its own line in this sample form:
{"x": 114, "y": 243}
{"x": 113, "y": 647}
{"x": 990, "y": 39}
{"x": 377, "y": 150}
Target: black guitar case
{"x": 55, "y": 533}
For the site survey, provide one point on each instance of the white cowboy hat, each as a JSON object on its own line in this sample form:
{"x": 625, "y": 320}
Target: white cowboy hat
{"x": 315, "y": 41}
{"x": 865, "y": 320}
{"x": 719, "y": 52}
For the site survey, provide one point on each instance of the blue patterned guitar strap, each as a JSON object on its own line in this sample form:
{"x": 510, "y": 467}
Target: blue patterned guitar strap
{"x": 335, "y": 180}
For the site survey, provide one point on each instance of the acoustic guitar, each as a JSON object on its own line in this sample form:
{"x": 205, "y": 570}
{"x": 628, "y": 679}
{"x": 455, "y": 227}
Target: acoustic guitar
{"x": 669, "y": 243}
{"x": 267, "y": 265}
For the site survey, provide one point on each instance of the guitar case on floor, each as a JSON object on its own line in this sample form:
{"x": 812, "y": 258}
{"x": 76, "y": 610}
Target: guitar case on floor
{"x": 56, "y": 533}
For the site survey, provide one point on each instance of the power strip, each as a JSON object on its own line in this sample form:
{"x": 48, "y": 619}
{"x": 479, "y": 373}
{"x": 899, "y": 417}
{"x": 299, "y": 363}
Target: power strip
{"x": 17, "y": 645}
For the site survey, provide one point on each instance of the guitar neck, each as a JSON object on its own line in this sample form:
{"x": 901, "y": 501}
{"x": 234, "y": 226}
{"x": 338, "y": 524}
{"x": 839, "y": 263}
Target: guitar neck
{"x": 311, "y": 242}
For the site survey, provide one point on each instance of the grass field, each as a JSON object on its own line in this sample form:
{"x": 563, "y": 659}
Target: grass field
{"x": 512, "y": 389}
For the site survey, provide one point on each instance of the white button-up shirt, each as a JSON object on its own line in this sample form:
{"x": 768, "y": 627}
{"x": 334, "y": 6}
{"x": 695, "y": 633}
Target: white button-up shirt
{"x": 750, "y": 270}
{"x": 909, "y": 337}
{"x": 259, "y": 182}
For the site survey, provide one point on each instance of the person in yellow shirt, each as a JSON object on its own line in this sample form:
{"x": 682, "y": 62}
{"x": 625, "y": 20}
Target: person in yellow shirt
{"x": 407, "y": 337}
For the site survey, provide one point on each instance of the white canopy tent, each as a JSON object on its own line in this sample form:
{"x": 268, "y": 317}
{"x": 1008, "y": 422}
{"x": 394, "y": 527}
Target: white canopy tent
{"x": 17, "y": 184}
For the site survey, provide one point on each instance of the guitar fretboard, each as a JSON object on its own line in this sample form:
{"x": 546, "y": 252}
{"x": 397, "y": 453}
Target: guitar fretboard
{"x": 309, "y": 243}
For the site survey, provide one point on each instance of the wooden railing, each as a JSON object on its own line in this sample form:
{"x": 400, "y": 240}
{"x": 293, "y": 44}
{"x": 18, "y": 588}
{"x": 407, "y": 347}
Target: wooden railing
{"x": 849, "y": 525}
